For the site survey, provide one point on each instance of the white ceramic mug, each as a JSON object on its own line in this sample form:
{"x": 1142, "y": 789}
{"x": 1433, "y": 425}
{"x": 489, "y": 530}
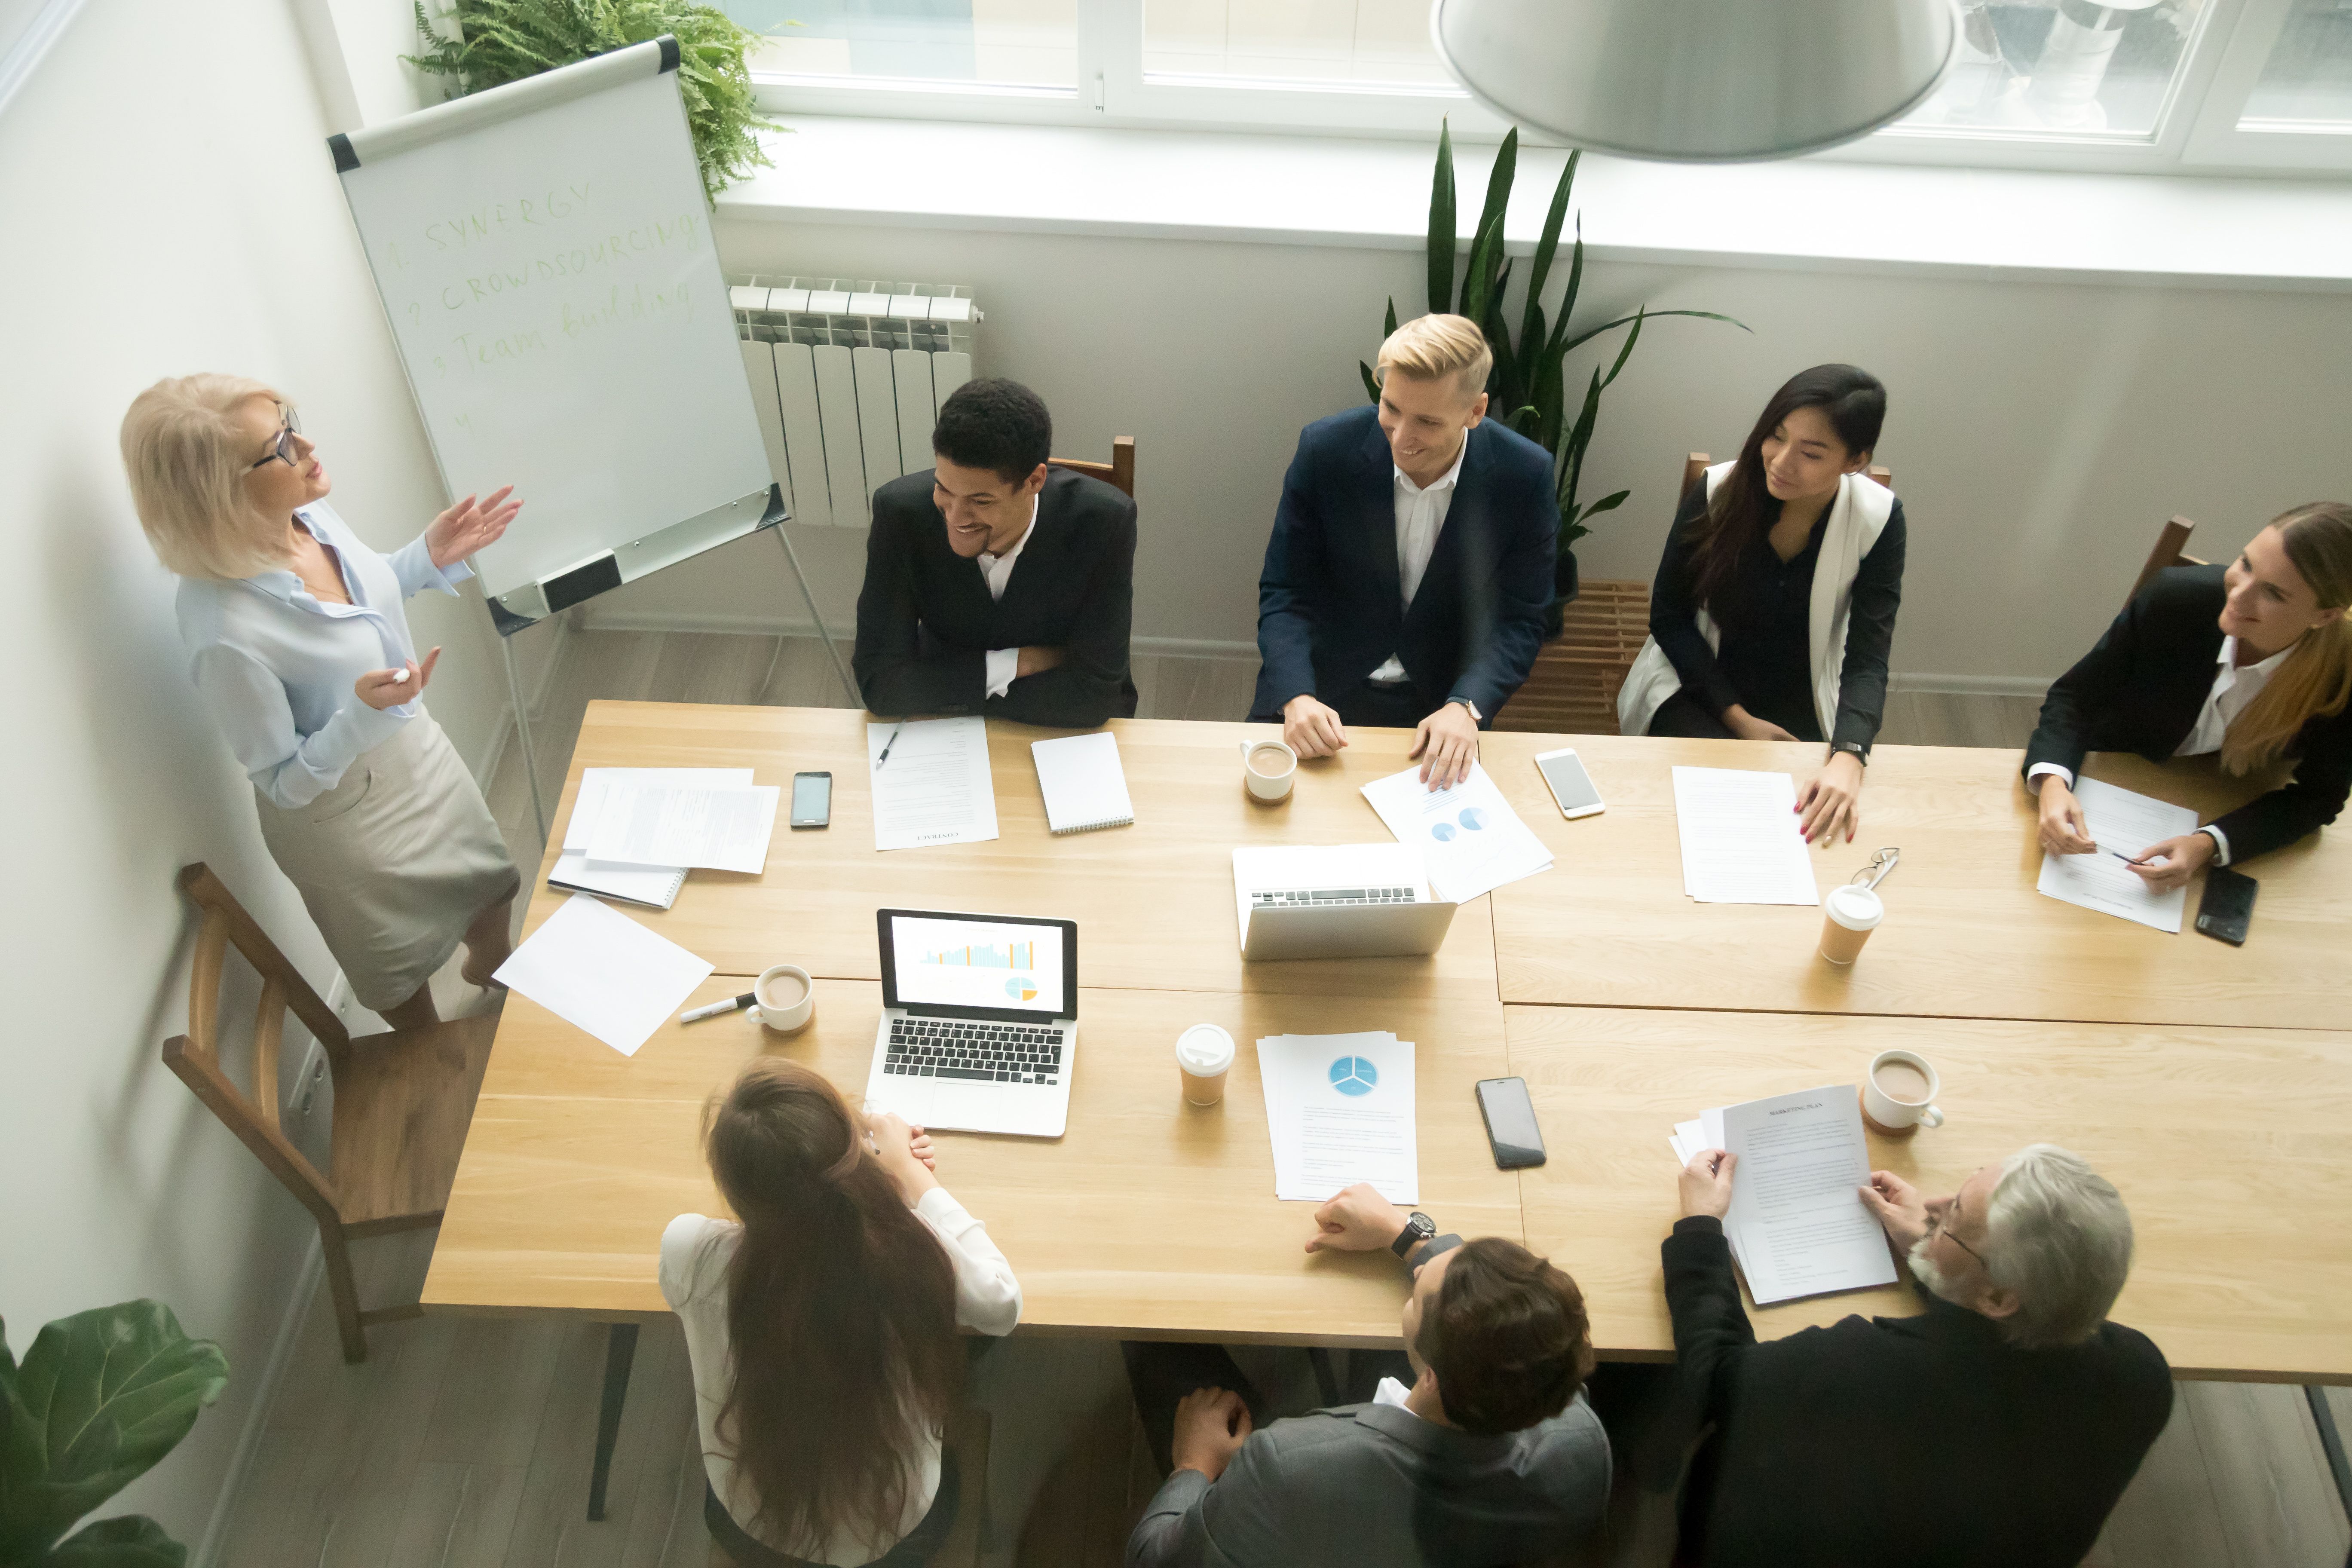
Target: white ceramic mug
{"x": 1205, "y": 1053}
{"x": 1267, "y": 787}
{"x": 769, "y": 992}
{"x": 1908, "y": 1097}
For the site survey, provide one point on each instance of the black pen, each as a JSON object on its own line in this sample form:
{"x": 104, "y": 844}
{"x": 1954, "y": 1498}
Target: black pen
{"x": 888, "y": 744}
{"x": 2128, "y": 859}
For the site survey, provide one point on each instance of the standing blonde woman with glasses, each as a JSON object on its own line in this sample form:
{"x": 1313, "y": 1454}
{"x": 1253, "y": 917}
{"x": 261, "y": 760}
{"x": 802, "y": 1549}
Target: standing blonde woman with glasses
{"x": 297, "y": 641}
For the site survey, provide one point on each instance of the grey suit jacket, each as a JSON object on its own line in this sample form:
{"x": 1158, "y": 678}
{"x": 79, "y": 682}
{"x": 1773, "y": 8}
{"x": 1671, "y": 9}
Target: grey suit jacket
{"x": 1374, "y": 1486}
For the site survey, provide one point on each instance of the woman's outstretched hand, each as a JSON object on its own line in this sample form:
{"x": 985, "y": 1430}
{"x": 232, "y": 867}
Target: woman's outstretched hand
{"x": 470, "y": 525}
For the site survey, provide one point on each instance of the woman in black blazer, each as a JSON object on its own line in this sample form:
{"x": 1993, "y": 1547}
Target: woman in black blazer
{"x": 2253, "y": 661}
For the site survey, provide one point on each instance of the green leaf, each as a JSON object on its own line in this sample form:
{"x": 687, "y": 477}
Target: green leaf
{"x": 1585, "y": 337}
{"x": 1558, "y": 343}
{"x": 1531, "y": 330}
{"x": 1371, "y": 382}
{"x": 1607, "y": 503}
{"x": 1477, "y": 279}
{"x": 1491, "y": 220}
{"x": 1390, "y": 331}
{"x": 132, "y": 1541}
{"x": 1441, "y": 224}
{"x": 100, "y": 1397}
{"x": 1525, "y": 419}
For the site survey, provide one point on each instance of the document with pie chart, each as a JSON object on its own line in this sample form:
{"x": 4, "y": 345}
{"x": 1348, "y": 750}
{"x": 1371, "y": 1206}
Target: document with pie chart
{"x": 1340, "y": 1110}
{"x": 1471, "y": 841}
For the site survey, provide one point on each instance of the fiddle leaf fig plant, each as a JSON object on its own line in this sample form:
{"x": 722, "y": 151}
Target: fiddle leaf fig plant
{"x": 99, "y": 1398}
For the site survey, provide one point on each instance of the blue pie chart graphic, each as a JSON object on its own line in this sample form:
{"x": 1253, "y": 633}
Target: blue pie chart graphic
{"x": 1441, "y": 831}
{"x": 1473, "y": 818}
{"x": 1354, "y": 1075}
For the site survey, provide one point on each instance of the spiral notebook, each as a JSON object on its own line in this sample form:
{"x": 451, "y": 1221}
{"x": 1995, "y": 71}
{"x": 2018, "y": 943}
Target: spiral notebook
{"x": 1083, "y": 785}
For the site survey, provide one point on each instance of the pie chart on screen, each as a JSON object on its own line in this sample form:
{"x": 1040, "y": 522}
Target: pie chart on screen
{"x": 1021, "y": 988}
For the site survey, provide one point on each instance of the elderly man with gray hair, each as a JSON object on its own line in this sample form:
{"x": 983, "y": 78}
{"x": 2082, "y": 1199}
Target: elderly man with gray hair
{"x": 1996, "y": 1427}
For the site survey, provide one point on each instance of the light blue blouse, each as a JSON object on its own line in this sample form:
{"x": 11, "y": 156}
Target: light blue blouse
{"x": 277, "y": 667}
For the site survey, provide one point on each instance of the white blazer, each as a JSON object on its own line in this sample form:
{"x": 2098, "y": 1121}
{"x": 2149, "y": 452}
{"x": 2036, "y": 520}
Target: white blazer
{"x": 1856, "y": 519}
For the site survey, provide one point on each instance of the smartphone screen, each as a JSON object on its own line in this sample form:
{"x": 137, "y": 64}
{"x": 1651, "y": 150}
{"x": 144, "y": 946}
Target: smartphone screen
{"x": 1511, "y": 1130}
{"x": 812, "y": 800}
{"x": 1571, "y": 785}
{"x": 2228, "y": 906}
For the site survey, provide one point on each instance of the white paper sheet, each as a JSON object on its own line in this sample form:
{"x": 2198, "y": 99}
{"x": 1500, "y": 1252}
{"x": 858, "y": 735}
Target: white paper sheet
{"x": 1797, "y": 1221}
{"x": 1739, "y": 838}
{"x": 1340, "y": 1110}
{"x": 597, "y": 969}
{"x": 1470, "y": 839}
{"x": 717, "y": 829}
{"x": 2123, "y": 823}
{"x": 936, "y": 787}
{"x": 652, "y": 886}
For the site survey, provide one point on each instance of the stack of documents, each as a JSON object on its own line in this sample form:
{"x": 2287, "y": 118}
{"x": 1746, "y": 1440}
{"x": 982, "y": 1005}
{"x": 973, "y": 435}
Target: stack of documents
{"x": 1741, "y": 842}
{"x": 1470, "y": 839}
{"x": 934, "y": 787}
{"x": 1340, "y": 1109}
{"x": 597, "y": 969}
{"x": 1797, "y": 1225}
{"x": 635, "y": 831}
{"x": 2123, "y": 823}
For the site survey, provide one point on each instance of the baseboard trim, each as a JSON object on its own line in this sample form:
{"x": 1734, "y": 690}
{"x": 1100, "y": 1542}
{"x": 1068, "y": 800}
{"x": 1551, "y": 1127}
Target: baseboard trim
{"x": 257, "y": 1419}
{"x": 1969, "y": 685}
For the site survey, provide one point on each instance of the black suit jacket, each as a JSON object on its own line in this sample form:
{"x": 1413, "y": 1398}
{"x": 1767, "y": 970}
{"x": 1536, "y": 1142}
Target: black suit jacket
{"x": 1928, "y": 1442}
{"x": 1329, "y": 600}
{"x": 925, "y": 622}
{"x": 2140, "y": 690}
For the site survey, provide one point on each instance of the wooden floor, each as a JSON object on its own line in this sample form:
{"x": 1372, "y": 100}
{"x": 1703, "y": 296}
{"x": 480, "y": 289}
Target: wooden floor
{"x": 466, "y": 1442}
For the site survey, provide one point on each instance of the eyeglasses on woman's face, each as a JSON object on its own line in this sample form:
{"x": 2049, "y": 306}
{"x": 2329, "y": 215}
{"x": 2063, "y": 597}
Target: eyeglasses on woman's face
{"x": 281, "y": 450}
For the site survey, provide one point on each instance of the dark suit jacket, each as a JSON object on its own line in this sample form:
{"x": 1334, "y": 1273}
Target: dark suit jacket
{"x": 2142, "y": 688}
{"x": 1329, "y": 604}
{"x": 1926, "y": 1442}
{"x": 925, "y": 622}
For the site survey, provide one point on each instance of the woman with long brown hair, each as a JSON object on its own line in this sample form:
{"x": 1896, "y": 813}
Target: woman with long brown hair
{"x": 822, "y": 1325}
{"x": 2251, "y": 660}
{"x": 1774, "y": 605}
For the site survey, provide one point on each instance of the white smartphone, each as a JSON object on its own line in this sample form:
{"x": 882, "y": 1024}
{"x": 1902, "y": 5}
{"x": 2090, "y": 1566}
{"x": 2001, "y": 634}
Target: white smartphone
{"x": 1571, "y": 785}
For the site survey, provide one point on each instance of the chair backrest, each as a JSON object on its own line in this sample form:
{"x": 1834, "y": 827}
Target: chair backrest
{"x": 2171, "y": 547}
{"x": 196, "y": 1055}
{"x": 1120, "y": 470}
{"x": 1694, "y": 469}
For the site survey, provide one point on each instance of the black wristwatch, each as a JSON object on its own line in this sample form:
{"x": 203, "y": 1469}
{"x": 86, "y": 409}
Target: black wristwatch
{"x": 1418, "y": 1227}
{"x": 1860, "y": 752}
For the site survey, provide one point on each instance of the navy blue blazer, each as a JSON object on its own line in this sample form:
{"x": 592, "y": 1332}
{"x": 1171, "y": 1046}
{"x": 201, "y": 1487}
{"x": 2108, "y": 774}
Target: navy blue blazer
{"x": 1329, "y": 604}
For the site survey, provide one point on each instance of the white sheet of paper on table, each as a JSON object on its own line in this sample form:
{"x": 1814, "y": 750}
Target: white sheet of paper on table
{"x": 724, "y": 829}
{"x": 1340, "y": 1110}
{"x": 935, "y": 789}
{"x": 1797, "y": 1215}
{"x": 595, "y": 782}
{"x": 1470, "y": 839}
{"x": 1740, "y": 841}
{"x": 2123, "y": 823}
{"x": 598, "y": 970}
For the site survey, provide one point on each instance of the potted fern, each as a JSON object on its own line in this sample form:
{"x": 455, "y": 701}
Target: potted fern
{"x": 499, "y": 41}
{"x": 1527, "y": 389}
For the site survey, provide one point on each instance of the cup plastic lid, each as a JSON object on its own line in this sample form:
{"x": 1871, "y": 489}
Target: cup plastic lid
{"x": 1206, "y": 1048}
{"x": 1854, "y": 908}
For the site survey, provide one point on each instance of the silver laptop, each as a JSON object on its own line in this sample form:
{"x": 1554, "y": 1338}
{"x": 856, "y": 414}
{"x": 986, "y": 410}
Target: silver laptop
{"x": 1346, "y": 900}
{"x": 979, "y": 1021}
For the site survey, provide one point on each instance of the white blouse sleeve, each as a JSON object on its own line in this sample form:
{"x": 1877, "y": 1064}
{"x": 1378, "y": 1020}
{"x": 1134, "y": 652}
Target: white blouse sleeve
{"x": 988, "y": 1298}
{"x": 288, "y": 768}
{"x": 411, "y": 564}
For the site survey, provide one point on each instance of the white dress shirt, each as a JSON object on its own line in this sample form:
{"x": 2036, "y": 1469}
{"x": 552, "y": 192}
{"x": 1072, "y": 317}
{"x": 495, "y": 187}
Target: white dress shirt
{"x": 695, "y": 1252}
{"x": 1004, "y": 663}
{"x": 2233, "y": 688}
{"x": 1420, "y": 515}
{"x": 276, "y": 666}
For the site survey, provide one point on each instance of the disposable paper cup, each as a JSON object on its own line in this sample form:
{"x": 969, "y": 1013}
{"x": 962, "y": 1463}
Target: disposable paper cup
{"x": 786, "y": 998}
{"x": 1281, "y": 766}
{"x": 1205, "y": 1053}
{"x": 1848, "y": 915}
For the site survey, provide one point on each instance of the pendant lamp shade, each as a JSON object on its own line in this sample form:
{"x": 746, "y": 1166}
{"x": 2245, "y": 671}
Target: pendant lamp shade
{"x": 1698, "y": 80}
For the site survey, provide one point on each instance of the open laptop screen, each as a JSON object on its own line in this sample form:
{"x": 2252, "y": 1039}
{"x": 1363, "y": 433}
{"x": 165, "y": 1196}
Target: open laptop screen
{"x": 980, "y": 966}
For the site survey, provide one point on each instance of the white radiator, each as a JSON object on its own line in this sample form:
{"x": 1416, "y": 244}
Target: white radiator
{"x": 848, "y": 376}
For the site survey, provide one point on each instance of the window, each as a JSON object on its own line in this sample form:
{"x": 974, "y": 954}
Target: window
{"x": 2033, "y": 67}
{"x": 2306, "y": 83}
{"x": 1299, "y": 42}
{"x": 999, "y": 43}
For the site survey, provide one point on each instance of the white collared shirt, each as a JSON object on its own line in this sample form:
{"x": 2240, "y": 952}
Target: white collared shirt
{"x": 2233, "y": 688}
{"x": 1420, "y": 516}
{"x": 1391, "y": 1392}
{"x": 1004, "y": 663}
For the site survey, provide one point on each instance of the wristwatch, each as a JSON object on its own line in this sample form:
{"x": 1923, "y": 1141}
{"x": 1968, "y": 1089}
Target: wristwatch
{"x": 1418, "y": 1227}
{"x": 1476, "y": 717}
{"x": 1854, "y": 749}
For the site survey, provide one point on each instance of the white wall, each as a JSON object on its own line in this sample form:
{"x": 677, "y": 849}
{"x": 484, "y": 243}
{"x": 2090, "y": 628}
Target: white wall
{"x": 2039, "y": 431}
{"x": 169, "y": 208}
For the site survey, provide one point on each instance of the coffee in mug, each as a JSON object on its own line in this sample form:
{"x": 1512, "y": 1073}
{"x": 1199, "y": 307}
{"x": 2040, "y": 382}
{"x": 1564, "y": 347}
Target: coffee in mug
{"x": 1268, "y": 770}
{"x": 783, "y": 997}
{"x": 1205, "y": 1053}
{"x": 1899, "y": 1092}
{"x": 1849, "y": 914}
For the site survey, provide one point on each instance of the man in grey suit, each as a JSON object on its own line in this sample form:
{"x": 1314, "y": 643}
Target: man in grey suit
{"x": 1491, "y": 1457}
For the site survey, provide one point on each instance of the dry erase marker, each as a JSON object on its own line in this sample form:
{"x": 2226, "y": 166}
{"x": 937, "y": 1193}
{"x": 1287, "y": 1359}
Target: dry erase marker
{"x": 398, "y": 676}
{"x": 729, "y": 1004}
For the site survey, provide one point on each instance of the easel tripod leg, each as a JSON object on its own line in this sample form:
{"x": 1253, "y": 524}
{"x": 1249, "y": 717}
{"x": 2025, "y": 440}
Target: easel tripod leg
{"x": 523, "y": 737}
{"x": 808, "y": 598}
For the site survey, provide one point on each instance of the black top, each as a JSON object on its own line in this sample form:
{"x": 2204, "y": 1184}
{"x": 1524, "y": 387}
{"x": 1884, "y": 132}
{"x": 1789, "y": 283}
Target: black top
{"x": 1929, "y": 1442}
{"x": 2141, "y": 689}
{"x": 925, "y": 620}
{"x": 1765, "y": 663}
{"x": 1330, "y": 604}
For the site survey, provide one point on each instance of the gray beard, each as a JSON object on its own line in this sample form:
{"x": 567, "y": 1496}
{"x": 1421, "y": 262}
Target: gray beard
{"x": 1923, "y": 1269}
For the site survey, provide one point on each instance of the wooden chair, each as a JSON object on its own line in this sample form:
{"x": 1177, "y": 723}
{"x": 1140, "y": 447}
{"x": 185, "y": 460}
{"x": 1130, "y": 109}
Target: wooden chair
{"x": 1120, "y": 470}
{"x": 403, "y": 1101}
{"x": 967, "y": 1439}
{"x": 2171, "y": 550}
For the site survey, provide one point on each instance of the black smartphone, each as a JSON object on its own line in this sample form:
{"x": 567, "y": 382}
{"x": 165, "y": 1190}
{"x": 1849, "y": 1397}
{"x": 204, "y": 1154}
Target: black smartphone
{"x": 812, "y": 800}
{"x": 2228, "y": 905}
{"x": 1511, "y": 1130}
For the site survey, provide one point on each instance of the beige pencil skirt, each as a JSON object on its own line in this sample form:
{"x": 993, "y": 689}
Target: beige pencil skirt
{"x": 394, "y": 862}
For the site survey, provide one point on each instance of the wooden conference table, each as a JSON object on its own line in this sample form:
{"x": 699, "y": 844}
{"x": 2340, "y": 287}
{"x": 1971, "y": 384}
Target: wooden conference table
{"x": 2210, "y": 1083}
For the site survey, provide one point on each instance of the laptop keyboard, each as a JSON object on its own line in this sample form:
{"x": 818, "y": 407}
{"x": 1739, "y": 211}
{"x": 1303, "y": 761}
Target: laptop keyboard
{"x": 1318, "y": 898}
{"x": 982, "y": 1052}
